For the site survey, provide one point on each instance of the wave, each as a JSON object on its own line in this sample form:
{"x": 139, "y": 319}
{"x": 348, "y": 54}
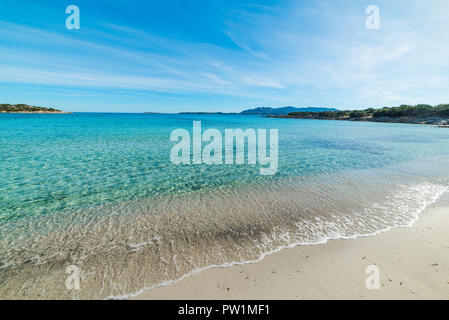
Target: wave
{"x": 411, "y": 201}
{"x": 124, "y": 247}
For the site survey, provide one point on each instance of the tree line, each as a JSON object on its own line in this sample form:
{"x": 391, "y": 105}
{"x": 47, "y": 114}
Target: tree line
{"x": 24, "y": 108}
{"x": 417, "y": 111}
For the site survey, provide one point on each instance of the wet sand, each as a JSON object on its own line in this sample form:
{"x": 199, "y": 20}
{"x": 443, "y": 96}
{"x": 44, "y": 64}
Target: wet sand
{"x": 413, "y": 264}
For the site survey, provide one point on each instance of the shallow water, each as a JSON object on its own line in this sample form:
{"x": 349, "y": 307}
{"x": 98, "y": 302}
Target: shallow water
{"x": 99, "y": 191}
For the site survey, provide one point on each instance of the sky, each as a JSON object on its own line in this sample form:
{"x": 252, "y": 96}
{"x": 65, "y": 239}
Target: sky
{"x": 223, "y": 55}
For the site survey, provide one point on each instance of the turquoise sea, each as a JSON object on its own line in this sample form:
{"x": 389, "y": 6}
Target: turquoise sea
{"x": 99, "y": 191}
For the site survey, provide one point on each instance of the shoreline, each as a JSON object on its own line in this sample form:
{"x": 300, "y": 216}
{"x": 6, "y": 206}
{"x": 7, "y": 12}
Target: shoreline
{"x": 40, "y": 112}
{"x": 404, "y": 120}
{"x": 414, "y": 269}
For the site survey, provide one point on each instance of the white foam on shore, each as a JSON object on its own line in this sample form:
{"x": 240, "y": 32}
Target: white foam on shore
{"x": 420, "y": 196}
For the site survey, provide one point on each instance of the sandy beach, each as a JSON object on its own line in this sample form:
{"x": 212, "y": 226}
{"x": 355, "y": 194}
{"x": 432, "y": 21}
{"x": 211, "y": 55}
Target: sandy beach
{"x": 413, "y": 264}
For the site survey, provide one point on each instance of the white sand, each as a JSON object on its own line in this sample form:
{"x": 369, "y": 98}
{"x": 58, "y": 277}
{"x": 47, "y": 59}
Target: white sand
{"x": 413, "y": 264}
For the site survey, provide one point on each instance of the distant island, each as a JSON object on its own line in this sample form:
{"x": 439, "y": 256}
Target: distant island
{"x": 204, "y": 112}
{"x": 419, "y": 114}
{"x": 266, "y": 111}
{"x": 24, "y": 108}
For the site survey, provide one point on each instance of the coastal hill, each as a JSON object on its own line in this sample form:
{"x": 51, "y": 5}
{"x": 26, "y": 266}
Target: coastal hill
{"x": 266, "y": 111}
{"x": 205, "y": 112}
{"x": 421, "y": 114}
{"x": 23, "y": 108}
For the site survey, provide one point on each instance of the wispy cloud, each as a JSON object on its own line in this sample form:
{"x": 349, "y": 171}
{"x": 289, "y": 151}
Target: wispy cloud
{"x": 293, "y": 52}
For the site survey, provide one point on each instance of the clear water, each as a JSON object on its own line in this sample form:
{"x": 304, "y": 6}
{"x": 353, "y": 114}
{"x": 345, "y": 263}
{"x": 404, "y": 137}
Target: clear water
{"x": 99, "y": 191}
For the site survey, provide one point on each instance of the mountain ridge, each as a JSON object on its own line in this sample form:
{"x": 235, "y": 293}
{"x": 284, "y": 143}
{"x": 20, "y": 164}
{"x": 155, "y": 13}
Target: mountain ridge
{"x": 268, "y": 111}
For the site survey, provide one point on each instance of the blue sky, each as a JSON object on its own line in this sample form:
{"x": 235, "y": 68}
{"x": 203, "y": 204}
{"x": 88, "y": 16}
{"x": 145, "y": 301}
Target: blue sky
{"x": 213, "y": 55}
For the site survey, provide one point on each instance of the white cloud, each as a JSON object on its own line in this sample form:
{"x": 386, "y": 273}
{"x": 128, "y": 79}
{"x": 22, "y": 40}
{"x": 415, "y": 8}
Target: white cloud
{"x": 319, "y": 52}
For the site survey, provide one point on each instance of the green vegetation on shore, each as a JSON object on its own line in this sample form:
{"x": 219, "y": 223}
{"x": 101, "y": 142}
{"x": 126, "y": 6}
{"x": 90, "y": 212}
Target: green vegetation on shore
{"x": 421, "y": 113}
{"x": 23, "y": 108}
